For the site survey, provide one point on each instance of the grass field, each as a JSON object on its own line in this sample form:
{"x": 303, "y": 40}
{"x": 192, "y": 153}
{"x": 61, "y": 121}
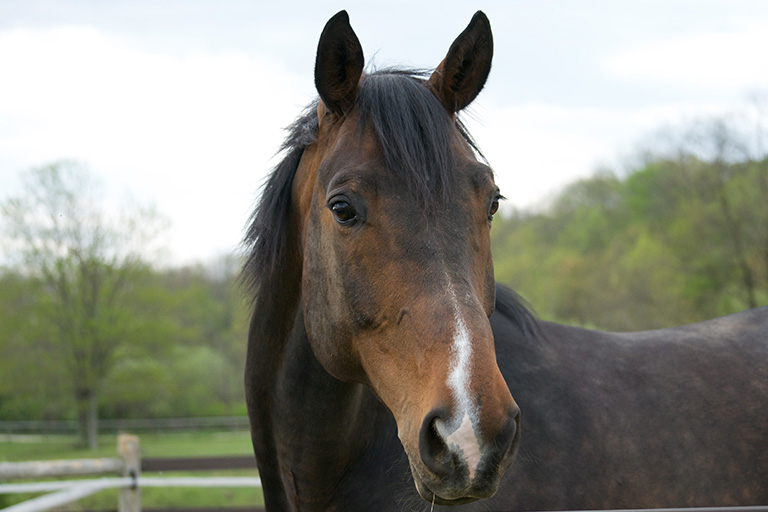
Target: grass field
{"x": 186, "y": 444}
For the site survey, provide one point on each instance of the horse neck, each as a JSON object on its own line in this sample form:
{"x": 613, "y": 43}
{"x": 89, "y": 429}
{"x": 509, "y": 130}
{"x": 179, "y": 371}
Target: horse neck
{"x": 327, "y": 427}
{"x": 308, "y": 427}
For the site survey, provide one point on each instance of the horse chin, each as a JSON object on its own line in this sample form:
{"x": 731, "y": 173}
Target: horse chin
{"x": 428, "y": 495}
{"x": 448, "y": 497}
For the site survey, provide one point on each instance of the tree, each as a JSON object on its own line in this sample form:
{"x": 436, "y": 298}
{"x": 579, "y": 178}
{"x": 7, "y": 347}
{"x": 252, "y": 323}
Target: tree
{"x": 197, "y": 315}
{"x": 682, "y": 238}
{"x": 82, "y": 258}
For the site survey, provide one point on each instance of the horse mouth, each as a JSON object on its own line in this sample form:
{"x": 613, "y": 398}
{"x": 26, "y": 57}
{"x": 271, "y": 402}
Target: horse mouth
{"x": 431, "y": 497}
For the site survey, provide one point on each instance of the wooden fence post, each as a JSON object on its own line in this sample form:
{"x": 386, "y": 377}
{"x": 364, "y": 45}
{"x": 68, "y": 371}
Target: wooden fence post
{"x": 129, "y": 498}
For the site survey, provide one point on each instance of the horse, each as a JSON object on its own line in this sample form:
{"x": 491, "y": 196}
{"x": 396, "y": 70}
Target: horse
{"x": 387, "y": 370}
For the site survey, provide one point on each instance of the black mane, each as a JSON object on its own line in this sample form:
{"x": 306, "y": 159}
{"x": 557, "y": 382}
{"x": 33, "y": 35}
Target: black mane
{"x": 266, "y": 239}
{"x": 413, "y": 129}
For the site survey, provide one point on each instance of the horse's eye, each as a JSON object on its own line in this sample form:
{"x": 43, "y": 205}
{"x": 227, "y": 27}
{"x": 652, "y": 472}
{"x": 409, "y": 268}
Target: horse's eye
{"x": 343, "y": 213}
{"x": 494, "y": 208}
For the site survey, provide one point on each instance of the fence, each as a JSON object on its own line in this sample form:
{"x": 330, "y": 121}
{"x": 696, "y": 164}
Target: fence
{"x": 130, "y": 481}
{"x": 129, "y": 466}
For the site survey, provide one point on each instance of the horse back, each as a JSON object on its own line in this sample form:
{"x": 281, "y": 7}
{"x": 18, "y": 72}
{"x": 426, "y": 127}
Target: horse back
{"x": 666, "y": 418}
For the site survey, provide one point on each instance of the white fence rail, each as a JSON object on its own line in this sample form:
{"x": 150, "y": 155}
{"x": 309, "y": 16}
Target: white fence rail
{"x": 51, "y": 468}
{"x": 128, "y": 465}
{"x": 71, "y": 491}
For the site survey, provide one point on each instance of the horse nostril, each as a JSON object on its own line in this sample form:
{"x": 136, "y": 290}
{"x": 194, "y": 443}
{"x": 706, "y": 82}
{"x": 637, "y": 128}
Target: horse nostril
{"x": 434, "y": 452}
{"x": 445, "y": 457}
{"x": 507, "y": 438}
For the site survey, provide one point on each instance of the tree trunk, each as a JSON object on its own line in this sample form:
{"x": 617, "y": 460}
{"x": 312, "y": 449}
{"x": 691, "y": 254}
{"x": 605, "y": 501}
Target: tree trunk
{"x": 88, "y": 418}
{"x": 93, "y": 421}
{"x": 734, "y": 229}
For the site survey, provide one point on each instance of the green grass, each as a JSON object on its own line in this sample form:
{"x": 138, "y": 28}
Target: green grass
{"x": 186, "y": 444}
{"x": 183, "y": 444}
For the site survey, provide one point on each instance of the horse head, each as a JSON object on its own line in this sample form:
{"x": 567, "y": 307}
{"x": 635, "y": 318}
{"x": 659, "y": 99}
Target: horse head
{"x": 397, "y": 282}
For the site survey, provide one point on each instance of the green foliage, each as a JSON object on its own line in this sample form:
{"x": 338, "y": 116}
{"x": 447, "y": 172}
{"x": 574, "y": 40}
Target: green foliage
{"x": 183, "y": 351}
{"x": 188, "y": 360}
{"x": 676, "y": 241}
{"x": 32, "y": 379}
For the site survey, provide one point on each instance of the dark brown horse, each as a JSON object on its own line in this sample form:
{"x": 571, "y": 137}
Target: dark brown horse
{"x": 374, "y": 376}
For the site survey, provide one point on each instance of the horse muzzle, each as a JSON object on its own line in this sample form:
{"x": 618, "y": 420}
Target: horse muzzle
{"x": 455, "y": 464}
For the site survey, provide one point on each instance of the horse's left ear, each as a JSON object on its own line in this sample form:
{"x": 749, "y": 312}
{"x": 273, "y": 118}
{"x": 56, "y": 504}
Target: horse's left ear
{"x": 338, "y": 65}
{"x": 462, "y": 74}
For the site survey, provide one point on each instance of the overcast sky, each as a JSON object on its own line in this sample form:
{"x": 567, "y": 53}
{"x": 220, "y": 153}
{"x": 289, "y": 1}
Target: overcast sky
{"x": 182, "y": 103}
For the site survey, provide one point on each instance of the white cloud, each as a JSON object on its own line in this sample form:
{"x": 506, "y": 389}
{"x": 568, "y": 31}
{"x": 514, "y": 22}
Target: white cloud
{"x": 193, "y": 133}
{"x": 536, "y": 148}
{"x": 533, "y": 148}
{"x": 727, "y": 60}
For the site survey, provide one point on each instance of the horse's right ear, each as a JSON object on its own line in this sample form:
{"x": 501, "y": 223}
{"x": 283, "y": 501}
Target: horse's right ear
{"x": 339, "y": 65}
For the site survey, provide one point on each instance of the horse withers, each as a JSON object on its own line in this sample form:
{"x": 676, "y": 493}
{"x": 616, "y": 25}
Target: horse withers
{"x": 375, "y": 379}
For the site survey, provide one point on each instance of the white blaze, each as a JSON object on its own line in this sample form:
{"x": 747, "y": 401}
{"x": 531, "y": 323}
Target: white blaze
{"x": 460, "y": 434}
